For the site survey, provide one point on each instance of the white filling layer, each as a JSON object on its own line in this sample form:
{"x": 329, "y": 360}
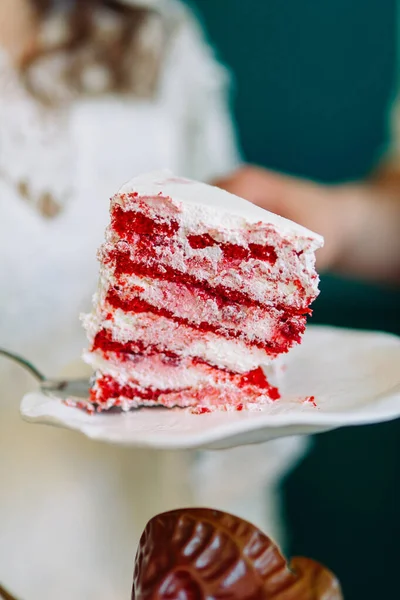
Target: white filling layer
{"x": 153, "y": 372}
{"x": 148, "y": 372}
{"x": 150, "y": 329}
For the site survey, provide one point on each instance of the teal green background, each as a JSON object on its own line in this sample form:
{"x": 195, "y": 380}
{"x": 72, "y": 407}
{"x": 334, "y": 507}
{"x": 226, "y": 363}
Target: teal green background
{"x": 313, "y": 84}
{"x": 312, "y": 78}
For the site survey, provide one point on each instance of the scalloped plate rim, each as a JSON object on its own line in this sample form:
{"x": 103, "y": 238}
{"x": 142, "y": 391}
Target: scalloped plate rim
{"x": 39, "y": 408}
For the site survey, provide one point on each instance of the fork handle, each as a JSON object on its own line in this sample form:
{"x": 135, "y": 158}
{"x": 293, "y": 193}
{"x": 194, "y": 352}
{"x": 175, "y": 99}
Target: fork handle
{"x": 23, "y": 363}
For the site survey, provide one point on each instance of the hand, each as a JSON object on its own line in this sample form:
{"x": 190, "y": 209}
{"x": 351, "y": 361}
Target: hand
{"x": 18, "y": 28}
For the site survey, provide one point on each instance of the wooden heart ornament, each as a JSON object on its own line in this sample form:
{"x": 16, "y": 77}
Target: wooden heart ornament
{"x": 202, "y": 554}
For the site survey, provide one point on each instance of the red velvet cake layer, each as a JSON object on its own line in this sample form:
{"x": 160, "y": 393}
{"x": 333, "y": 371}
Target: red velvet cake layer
{"x": 288, "y": 333}
{"x": 122, "y": 263}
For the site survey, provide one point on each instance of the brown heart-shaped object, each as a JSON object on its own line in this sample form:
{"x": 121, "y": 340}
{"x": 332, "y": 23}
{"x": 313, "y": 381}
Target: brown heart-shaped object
{"x": 202, "y": 554}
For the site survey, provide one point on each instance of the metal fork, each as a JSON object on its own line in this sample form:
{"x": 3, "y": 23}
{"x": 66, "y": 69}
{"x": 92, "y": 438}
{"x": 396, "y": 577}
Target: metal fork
{"x": 62, "y": 388}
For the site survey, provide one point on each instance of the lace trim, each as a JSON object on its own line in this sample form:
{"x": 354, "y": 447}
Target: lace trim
{"x": 36, "y": 156}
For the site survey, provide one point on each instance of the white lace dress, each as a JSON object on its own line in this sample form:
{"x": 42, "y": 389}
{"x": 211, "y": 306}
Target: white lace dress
{"x": 71, "y": 510}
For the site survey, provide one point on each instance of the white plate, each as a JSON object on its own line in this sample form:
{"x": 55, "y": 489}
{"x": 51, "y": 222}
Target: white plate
{"x": 354, "y": 376}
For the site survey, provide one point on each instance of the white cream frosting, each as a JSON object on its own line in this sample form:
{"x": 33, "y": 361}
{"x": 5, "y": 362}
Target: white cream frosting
{"x": 202, "y": 202}
{"x": 151, "y": 371}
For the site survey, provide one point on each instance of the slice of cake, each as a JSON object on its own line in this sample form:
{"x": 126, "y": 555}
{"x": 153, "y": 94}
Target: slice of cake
{"x": 200, "y": 292}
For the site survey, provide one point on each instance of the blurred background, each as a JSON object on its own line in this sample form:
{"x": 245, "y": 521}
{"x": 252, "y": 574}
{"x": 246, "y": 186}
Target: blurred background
{"x": 315, "y": 84}
{"x": 95, "y": 92}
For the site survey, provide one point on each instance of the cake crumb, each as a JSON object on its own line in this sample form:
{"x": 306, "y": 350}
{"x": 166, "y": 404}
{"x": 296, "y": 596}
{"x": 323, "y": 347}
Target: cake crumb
{"x": 82, "y": 405}
{"x": 200, "y": 410}
{"x": 310, "y": 400}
